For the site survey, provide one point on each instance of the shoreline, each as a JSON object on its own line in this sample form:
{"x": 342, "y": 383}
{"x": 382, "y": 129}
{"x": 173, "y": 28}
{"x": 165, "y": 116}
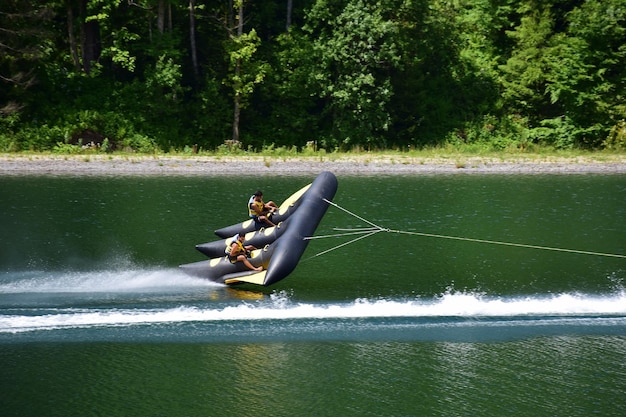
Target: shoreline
{"x": 162, "y": 165}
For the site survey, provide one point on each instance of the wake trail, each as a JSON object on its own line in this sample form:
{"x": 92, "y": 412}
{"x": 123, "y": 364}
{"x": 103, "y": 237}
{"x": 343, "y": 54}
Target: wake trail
{"x": 279, "y": 308}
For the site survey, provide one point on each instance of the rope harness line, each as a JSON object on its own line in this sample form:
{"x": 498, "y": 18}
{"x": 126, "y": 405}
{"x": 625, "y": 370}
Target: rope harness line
{"x": 520, "y": 245}
{"x": 370, "y": 231}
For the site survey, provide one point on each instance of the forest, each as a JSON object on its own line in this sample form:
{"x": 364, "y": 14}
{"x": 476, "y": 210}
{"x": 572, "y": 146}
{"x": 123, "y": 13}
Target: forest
{"x": 193, "y": 75}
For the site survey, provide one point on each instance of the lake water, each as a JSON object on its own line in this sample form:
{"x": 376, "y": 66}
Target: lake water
{"x": 440, "y": 316}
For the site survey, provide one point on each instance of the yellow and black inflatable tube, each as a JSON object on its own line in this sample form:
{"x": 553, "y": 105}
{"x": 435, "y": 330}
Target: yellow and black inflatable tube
{"x": 280, "y": 257}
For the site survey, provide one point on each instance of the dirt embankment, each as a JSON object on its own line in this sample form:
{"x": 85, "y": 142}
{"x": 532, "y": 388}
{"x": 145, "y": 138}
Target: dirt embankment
{"x": 103, "y": 165}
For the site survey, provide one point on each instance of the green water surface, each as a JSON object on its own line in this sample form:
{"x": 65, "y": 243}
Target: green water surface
{"x": 56, "y": 226}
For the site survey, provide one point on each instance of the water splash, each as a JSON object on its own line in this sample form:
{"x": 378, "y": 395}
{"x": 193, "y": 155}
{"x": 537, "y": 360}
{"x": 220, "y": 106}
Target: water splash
{"x": 122, "y": 280}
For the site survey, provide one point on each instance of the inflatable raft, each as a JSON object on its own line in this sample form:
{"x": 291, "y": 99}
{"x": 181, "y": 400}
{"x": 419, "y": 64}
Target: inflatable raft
{"x": 280, "y": 247}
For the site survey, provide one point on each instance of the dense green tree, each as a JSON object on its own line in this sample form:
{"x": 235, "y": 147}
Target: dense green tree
{"x": 25, "y": 42}
{"x": 566, "y": 72}
{"x": 447, "y": 76}
{"x": 352, "y": 52}
{"x": 588, "y": 71}
{"x": 166, "y": 74}
{"x": 246, "y": 71}
{"x": 524, "y": 76}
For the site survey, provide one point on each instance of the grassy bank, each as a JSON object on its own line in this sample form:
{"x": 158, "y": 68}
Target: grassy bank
{"x": 459, "y": 156}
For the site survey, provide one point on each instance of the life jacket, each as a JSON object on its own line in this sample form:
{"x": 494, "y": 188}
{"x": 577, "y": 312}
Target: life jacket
{"x": 235, "y": 239}
{"x": 260, "y": 205}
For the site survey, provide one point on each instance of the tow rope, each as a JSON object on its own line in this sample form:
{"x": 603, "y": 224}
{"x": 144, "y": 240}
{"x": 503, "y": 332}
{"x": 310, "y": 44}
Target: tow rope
{"x": 374, "y": 229}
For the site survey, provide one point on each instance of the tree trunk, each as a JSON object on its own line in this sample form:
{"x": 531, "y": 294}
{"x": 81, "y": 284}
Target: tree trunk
{"x": 237, "y": 71}
{"x": 192, "y": 39}
{"x": 90, "y": 38}
{"x": 72, "y": 36}
{"x": 231, "y": 17}
{"x": 236, "y": 119}
{"x": 289, "y": 12}
{"x": 169, "y": 17}
{"x": 161, "y": 16}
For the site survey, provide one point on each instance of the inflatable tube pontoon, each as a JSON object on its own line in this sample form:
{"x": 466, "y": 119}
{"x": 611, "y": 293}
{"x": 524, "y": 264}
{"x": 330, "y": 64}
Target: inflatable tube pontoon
{"x": 283, "y": 246}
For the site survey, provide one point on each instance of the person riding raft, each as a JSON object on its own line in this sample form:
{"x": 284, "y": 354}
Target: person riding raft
{"x": 237, "y": 252}
{"x": 259, "y": 211}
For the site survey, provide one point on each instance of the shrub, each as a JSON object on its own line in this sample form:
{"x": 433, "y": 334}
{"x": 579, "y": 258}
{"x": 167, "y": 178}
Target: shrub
{"x": 67, "y": 149}
{"x": 140, "y": 143}
{"x": 616, "y": 140}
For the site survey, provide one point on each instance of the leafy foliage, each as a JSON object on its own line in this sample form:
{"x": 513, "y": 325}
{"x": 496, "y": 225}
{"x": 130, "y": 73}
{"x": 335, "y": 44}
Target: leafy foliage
{"x": 347, "y": 74}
